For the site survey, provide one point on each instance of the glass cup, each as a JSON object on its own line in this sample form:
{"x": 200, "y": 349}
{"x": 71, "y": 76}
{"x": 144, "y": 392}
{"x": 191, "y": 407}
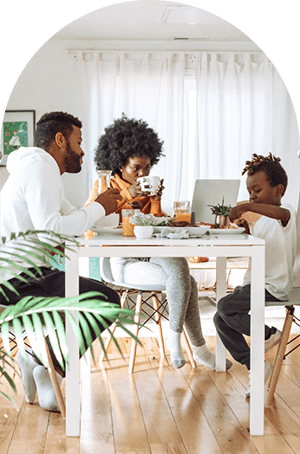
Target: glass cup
{"x": 182, "y": 211}
{"x": 104, "y": 180}
{"x": 127, "y": 227}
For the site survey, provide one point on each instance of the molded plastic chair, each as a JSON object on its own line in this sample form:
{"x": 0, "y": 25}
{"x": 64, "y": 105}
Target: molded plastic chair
{"x": 294, "y": 300}
{"x": 159, "y": 306}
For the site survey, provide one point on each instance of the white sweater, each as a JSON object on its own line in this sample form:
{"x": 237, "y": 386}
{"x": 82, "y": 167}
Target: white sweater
{"x": 280, "y": 244}
{"x": 33, "y": 198}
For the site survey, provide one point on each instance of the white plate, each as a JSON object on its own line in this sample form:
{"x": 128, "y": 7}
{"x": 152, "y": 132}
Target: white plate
{"x": 106, "y": 229}
{"x": 195, "y": 231}
{"x": 226, "y": 231}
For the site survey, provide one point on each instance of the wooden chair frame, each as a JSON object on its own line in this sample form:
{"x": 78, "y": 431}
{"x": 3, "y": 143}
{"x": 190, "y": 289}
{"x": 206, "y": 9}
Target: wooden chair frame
{"x": 160, "y": 311}
{"x": 281, "y": 351}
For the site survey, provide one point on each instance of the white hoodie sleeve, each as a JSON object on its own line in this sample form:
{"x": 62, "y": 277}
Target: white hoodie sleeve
{"x": 48, "y": 207}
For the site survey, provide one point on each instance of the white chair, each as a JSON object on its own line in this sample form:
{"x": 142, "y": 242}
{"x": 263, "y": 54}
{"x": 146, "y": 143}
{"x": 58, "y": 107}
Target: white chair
{"x": 294, "y": 300}
{"x": 159, "y": 306}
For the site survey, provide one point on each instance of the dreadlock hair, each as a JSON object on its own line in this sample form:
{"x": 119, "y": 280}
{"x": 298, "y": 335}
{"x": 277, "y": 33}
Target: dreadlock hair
{"x": 271, "y": 166}
{"x": 124, "y": 138}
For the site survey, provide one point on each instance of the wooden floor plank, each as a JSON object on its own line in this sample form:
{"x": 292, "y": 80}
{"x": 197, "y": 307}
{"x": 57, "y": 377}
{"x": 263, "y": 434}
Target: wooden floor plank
{"x": 272, "y": 444}
{"x": 191, "y": 422}
{"x": 128, "y": 424}
{"x": 229, "y": 433}
{"x": 56, "y": 441}
{"x": 32, "y": 420}
{"x": 9, "y": 415}
{"x": 158, "y": 418}
{"x": 96, "y": 425}
{"x": 158, "y": 410}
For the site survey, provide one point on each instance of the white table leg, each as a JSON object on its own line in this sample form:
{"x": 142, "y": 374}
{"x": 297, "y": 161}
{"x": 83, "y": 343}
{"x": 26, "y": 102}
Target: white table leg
{"x": 72, "y": 373}
{"x": 221, "y": 291}
{"x": 85, "y": 362}
{"x": 257, "y": 341}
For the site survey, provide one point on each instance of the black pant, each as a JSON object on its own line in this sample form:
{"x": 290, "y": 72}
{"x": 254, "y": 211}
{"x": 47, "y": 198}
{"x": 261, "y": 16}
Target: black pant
{"x": 52, "y": 283}
{"x": 232, "y": 321}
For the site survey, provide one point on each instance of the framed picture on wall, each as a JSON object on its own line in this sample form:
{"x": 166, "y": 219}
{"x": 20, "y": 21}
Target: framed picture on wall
{"x": 17, "y": 131}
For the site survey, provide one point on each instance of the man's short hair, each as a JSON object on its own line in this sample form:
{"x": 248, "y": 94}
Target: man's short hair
{"x": 50, "y": 124}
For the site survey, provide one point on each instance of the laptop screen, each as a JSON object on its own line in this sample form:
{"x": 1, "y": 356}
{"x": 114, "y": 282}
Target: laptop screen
{"x": 211, "y": 192}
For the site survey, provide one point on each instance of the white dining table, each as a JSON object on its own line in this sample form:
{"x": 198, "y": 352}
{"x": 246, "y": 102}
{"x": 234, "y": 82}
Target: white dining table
{"x": 111, "y": 243}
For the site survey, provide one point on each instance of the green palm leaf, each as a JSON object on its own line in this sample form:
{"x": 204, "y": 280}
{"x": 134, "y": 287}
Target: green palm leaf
{"x": 34, "y": 314}
{"x": 26, "y": 315}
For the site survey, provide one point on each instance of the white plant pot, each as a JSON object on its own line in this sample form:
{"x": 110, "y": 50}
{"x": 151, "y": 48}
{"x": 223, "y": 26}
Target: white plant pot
{"x": 143, "y": 231}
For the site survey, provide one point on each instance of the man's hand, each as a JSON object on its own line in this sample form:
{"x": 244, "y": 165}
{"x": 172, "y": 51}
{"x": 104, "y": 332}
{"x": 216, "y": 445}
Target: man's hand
{"x": 108, "y": 200}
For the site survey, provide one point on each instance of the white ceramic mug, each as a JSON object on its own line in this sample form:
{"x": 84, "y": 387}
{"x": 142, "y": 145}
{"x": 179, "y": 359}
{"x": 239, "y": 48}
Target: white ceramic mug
{"x": 149, "y": 184}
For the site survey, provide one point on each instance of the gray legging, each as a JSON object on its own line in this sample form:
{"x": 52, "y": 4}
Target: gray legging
{"x": 181, "y": 289}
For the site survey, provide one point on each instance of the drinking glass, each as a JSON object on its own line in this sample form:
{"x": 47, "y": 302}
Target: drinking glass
{"x": 104, "y": 180}
{"x": 182, "y": 211}
{"x": 127, "y": 227}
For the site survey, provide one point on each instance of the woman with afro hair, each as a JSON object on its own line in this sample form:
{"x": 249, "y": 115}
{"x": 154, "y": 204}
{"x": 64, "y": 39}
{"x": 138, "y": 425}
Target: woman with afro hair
{"x": 129, "y": 148}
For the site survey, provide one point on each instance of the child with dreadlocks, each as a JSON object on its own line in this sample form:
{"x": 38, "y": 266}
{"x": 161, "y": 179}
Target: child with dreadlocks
{"x": 266, "y": 184}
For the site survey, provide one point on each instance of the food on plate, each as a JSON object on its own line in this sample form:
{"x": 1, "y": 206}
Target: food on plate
{"x": 165, "y": 222}
{"x": 233, "y": 226}
{"x": 181, "y": 224}
{"x": 198, "y": 259}
{"x": 212, "y": 226}
{"x": 188, "y": 224}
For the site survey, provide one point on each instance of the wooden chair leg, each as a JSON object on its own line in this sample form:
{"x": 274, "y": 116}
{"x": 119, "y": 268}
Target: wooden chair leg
{"x": 55, "y": 384}
{"x": 138, "y": 308}
{"x": 159, "y": 325}
{"x": 113, "y": 327}
{"x": 280, "y": 355}
{"x": 189, "y": 350}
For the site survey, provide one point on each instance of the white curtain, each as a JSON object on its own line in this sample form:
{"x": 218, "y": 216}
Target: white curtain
{"x": 241, "y": 106}
{"x": 144, "y": 86}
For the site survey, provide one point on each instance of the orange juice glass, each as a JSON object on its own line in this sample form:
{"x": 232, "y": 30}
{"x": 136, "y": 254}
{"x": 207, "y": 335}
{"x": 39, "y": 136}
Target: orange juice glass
{"x": 182, "y": 211}
{"x": 127, "y": 227}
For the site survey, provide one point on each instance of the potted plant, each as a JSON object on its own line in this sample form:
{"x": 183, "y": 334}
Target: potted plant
{"x": 143, "y": 224}
{"x": 29, "y": 311}
{"x": 221, "y": 213}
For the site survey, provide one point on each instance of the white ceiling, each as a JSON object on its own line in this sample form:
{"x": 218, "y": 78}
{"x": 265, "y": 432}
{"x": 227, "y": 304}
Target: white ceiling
{"x": 151, "y": 20}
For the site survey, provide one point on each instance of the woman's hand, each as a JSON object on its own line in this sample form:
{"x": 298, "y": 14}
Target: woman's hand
{"x": 159, "y": 191}
{"x": 135, "y": 190}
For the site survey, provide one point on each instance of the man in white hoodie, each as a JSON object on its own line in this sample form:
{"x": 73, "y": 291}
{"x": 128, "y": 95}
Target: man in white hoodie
{"x": 33, "y": 199}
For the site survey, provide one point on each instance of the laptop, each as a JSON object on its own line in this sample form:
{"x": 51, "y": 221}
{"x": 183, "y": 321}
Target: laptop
{"x": 211, "y": 192}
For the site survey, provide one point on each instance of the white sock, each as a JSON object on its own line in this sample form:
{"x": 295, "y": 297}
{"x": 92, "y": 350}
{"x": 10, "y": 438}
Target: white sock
{"x": 174, "y": 346}
{"x": 47, "y": 398}
{"x": 27, "y": 365}
{"x": 205, "y": 357}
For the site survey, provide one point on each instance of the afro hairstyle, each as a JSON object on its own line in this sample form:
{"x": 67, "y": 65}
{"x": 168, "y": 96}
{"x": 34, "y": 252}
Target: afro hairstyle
{"x": 125, "y": 138}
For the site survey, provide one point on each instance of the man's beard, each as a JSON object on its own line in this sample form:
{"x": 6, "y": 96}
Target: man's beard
{"x": 72, "y": 160}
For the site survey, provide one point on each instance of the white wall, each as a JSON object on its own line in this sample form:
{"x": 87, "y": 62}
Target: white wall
{"x": 49, "y": 83}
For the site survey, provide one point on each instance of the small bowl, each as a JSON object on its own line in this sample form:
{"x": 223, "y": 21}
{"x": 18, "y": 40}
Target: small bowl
{"x": 143, "y": 231}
